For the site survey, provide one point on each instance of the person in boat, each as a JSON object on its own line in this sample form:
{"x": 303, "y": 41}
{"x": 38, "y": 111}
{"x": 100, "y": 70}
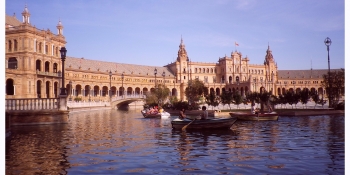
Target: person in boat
{"x": 182, "y": 114}
{"x": 253, "y": 108}
{"x": 204, "y": 114}
{"x": 270, "y": 108}
{"x": 257, "y": 110}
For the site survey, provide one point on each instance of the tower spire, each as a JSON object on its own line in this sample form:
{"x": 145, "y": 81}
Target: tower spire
{"x": 59, "y": 28}
{"x": 25, "y": 15}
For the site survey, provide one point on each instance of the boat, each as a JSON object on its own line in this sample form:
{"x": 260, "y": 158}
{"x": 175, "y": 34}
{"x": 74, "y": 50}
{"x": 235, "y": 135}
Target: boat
{"x": 215, "y": 123}
{"x": 155, "y": 115}
{"x": 255, "y": 117}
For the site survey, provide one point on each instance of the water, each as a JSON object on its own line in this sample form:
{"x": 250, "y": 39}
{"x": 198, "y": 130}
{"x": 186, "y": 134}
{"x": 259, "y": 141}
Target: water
{"x": 123, "y": 142}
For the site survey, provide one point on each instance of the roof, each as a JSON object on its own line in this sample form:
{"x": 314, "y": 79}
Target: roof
{"x": 103, "y": 66}
{"x": 303, "y": 74}
{"x": 12, "y": 21}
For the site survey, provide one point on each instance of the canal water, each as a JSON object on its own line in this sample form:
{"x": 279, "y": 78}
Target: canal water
{"x": 123, "y": 142}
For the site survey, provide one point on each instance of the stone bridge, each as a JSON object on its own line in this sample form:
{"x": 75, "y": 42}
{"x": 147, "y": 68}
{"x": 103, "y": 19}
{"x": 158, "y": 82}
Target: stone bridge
{"x": 125, "y": 100}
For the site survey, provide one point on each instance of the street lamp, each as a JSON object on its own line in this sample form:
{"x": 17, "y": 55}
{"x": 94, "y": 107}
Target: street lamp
{"x": 71, "y": 89}
{"x": 122, "y": 84}
{"x": 63, "y": 52}
{"x": 155, "y": 77}
{"x": 163, "y": 78}
{"x": 110, "y": 82}
{"x": 328, "y": 42}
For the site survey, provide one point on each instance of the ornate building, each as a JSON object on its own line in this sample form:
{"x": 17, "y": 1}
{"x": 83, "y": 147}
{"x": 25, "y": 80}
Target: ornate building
{"x": 33, "y": 65}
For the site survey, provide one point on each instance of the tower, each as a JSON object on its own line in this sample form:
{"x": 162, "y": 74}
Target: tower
{"x": 26, "y": 15}
{"x": 59, "y": 28}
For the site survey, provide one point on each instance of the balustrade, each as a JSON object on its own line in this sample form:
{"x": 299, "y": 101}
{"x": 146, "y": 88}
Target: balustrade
{"x": 19, "y": 104}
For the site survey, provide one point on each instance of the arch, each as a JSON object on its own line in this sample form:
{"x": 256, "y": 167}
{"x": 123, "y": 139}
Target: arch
{"x": 121, "y": 91}
{"x": 211, "y": 70}
{"x": 12, "y": 63}
{"x": 207, "y": 70}
{"x": 40, "y": 47}
{"x": 55, "y": 89}
{"x": 137, "y": 91}
{"x": 78, "y": 90}
{"x": 212, "y": 90}
{"x": 104, "y": 91}
{"x": 96, "y": 90}
{"x": 297, "y": 90}
{"x": 313, "y": 90}
{"x": 47, "y": 66}
{"x": 230, "y": 79}
{"x": 113, "y": 90}
{"x": 144, "y": 90}
{"x": 203, "y": 70}
{"x": 15, "y": 45}
{"x": 38, "y": 88}
{"x": 10, "y": 89}
{"x": 38, "y": 65}
{"x": 195, "y": 70}
{"x": 10, "y": 46}
{"x": 217, "y": 90}
{"x": 173, "y": 92}
{"x": 129, "y": 91}
{"x": 87, "y": 90}
{"x": 279, "y": 92}
{"x": 55, "y": 65}
{"x": 47, "y": 89}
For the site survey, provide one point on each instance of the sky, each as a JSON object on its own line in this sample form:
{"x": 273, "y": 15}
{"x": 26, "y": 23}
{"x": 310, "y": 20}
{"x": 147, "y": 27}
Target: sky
{"x": 149, "y": 32}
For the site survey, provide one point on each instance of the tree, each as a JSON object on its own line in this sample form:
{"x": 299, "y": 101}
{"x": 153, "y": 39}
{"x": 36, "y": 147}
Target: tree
{"x": 226, "y": 98}
{"x": 158, "y": 96}
{"x": 212, "y": 99}
{"x": 316, "y": 98}
{"x": 304, "y": 96}
{"x": 237, "y": 99}
{"x": 253, "y": 97}
{"x": 335, "y": 80}
{"x": 195, "y": 90}
{"x": 264, "y": 98}
{"x": 289, "y": 98}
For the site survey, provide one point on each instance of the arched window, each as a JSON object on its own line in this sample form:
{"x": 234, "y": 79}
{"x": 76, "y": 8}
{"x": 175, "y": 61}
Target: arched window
{"x": 12, "y": 63}
{"x": 38, "y": 65}
{"x": 9, "y": 87}
{"x": 10, "y": 46}
{"x": 40, "y": 47}
{"x": 55, "y": 67}
{"x": 15, "y": 45}
{"x": 47, "y": 66}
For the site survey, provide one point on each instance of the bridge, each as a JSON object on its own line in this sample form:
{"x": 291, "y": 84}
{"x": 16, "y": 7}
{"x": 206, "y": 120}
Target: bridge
{"x": 116, "y": 102}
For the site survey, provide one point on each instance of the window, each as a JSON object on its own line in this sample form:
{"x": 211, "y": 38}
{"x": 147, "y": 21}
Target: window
{"x": 12, "y": 63}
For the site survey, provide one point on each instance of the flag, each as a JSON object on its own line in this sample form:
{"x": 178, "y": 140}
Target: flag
{"x": 236, "y": 44}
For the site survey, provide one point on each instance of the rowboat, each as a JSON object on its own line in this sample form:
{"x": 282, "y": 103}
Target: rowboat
{"x": 156, "y": 115}
{"x": 250, "y": 116}
{"x": 216, "y": 123}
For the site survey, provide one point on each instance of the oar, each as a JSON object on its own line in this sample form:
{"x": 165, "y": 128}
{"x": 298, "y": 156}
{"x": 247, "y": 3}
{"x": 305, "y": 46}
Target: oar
{"x": 184, "y": 128}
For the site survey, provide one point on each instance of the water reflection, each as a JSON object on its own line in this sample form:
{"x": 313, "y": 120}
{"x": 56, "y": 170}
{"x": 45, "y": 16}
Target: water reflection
{"x": 119, "y": 142}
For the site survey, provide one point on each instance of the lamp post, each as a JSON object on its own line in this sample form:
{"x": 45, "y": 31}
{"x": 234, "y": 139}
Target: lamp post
{"x": 123, "y": 84}
{"x": 110, "y": 82}
{"x": 71, "y": 89}
{"x": 63, "y": 52}
{"x": 328, "y": 42}
{"x": 155, "y": 77}
{"x": 163, "y": 74}
{"x": 174, "y": 86}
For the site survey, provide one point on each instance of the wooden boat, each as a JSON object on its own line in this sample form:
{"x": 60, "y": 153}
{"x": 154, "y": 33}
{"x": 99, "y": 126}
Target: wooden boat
{"x": 250, "y": 116}
{"x": 157, "y": 115}
{"x": 216, "y": 123}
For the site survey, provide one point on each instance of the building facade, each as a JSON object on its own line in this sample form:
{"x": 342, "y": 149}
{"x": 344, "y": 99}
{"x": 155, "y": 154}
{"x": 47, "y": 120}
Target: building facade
{"x": 33, "y": 66}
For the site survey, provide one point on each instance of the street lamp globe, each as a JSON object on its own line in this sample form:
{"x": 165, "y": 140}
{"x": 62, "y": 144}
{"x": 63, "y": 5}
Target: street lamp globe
{"x": 327, "y": 41}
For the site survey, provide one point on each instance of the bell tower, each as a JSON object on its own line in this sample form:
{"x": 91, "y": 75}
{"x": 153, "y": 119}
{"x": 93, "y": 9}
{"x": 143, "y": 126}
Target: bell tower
{"x": 26, "y": 15}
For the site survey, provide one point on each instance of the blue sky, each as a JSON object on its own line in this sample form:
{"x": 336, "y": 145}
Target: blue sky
{"x": 149, "y": 32}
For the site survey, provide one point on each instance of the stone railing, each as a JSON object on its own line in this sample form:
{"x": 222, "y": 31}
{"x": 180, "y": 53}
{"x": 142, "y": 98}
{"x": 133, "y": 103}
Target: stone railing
{"x": 47, "y": 73}
{"x": 19, "y": 104}
{"x": 115, "y": 98}
{"x": 82, "y": 104}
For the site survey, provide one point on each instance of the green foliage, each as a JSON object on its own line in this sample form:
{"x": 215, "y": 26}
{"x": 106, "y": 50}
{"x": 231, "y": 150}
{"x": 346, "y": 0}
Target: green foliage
{"x": 212, "y": 99}
{"x": 77, "y": 99}
{"x": 226, "y": 98}
{"x": 305, "y": 96}
{"x": 158, "y": 96}
{"x": 253, "y": 97}
{"x": 195, "y": 90}
{"x": 336, "y": 81}
{"x": 237, "y": 98}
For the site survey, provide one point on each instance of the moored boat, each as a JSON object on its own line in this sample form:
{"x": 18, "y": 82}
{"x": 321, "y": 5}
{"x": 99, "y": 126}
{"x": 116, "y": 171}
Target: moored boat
{"x": 155, "y": 115}
{"x": 216, "y": 123}
{"x": 250, "y": 116}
